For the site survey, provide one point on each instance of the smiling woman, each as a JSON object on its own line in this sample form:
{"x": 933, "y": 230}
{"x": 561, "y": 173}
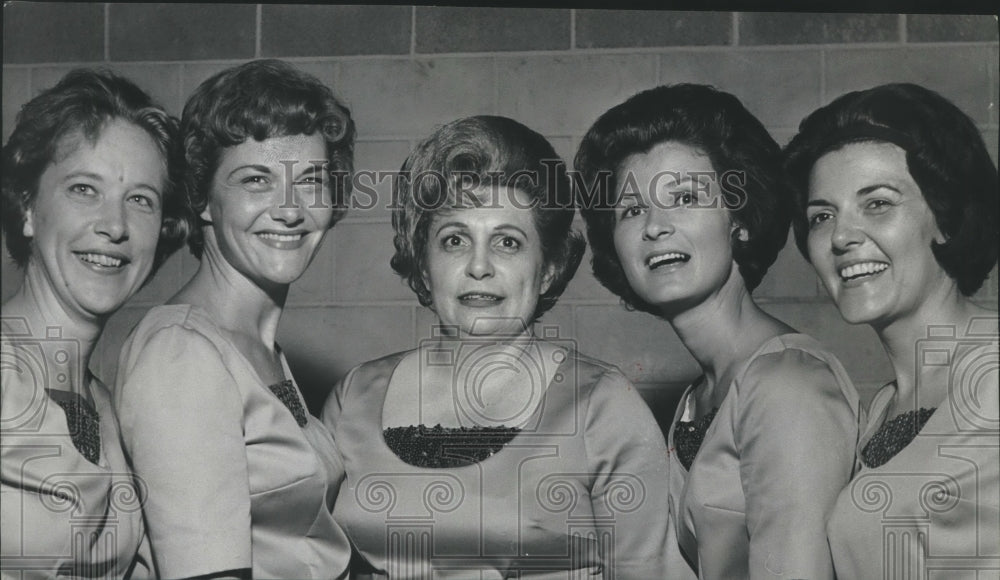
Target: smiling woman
{"x": 89, "y": 212}
{"x": 898, "y": 214}
{"x": 239, "y": 477}
{"x": 692, "y": 211}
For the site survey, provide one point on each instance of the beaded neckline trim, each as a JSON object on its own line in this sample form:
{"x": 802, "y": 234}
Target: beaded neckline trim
{"x": 83, "y": 423}
{"x": 689, "y": 435}
{"x": 287, "y": 394}
{"x": 446, "y": 447}
{"x": 894, "y": 435}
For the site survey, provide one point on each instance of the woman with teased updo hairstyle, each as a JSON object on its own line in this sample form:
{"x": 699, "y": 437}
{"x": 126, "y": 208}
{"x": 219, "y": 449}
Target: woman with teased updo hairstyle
{"x": 686, "y": 207}
{"x": 90, "y": 211}
{"x": 897, "y": 210}
{"x": 523, "y": 457}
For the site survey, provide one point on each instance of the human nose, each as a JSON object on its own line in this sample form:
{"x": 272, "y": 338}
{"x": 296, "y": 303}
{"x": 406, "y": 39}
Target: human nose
{"x": 111, "y": 223}
{"x": 480, "y": 264}
{"x": 846, "y": 234}
{"x": 288, "y": 209}
{"x": 658, "y": 223}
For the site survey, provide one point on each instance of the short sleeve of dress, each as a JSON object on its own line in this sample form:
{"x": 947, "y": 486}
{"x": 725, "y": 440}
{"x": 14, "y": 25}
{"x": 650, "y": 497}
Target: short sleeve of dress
{"x": 182, "y": 425}
{"x": 796, "y": 434}
{"x": 332, "y": 407}
{"x": 628, "y": 456}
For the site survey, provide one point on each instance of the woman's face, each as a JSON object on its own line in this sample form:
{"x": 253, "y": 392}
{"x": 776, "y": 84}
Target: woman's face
{"x": 270, "y": 206}
{"x": 870, "y": 233}
{"x": 485, "y": 266}
{"x": 672, "y": 232}
{"x": 96, "y": 218}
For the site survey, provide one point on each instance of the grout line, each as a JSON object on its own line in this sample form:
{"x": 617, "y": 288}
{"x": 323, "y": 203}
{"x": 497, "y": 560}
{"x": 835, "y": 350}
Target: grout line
{"x": 544, "y": 53}
{"x": 107, "y": 32}
{"x": 902, "y": 22}
{"x": 496, "y": 86}
{"x": 413, "y": 31}
{"x": 572, "y": 29}
{"x": 259, "y": 18}
{"x": 822, "y": 77}
{"x": 735, "y": 29}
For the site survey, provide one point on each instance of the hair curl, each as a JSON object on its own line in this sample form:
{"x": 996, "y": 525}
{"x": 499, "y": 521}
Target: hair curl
{"x": 260, "y": 100}
{"x": 85, "y": 101}
{"x": 711, "y": 121}
{"x": 484, "y": 151}
{"x": 945, "y": 155}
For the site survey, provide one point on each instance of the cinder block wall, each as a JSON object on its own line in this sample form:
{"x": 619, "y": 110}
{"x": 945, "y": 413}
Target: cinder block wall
{"x": 404, "y": 70}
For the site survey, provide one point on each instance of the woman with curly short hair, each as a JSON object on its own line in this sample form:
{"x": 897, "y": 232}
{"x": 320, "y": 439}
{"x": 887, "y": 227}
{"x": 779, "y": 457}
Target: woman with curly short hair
{"x": 488, "y": 451}
{"x": 686, "y": 208}
{"x": 90, "y": 211}
{"x": 239, "y": 477}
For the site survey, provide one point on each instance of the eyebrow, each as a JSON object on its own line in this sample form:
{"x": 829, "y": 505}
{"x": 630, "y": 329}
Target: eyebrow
{"x": 868, "y": 189}
{"x": 312, "y": 170}
{"x": 87, "y": 174}
{"x": 98, "y": 177}
{"x": 462, "y": 226}
{"x": 254, "y": 167}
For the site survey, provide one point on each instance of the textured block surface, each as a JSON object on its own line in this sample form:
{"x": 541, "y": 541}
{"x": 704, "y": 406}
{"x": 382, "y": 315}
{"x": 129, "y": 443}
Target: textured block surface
{"x": 182, "y": 31}
{"x": 814, "y": 28}
{"x": 627, "y": 28}
{"x": 459, "y": 29}
{"x": 310, "y": 30}
{"x": 53, "y": 32}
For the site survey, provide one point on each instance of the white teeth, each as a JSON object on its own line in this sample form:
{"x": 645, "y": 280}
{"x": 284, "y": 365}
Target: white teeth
{"x": 101, "y": 260}
{"x": 478, "y": 297}
{"x": 862, "y": 269}
{"x": 655, "y": 260}
{"x": 280, "y": 237}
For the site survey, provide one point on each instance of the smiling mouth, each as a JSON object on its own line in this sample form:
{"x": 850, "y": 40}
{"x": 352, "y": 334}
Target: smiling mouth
{"x": 862, "y": 270}
{"x": 668, "y": 259}
{"x": 281, "y": 237}
{"x": 101, "y": 260}
{"x": 480, "y": 300}
{"x": 283, "y": 240}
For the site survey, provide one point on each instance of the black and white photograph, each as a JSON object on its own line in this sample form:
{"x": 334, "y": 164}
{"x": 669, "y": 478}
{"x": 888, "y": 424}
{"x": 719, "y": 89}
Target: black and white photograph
{"x": 482, "y": 292}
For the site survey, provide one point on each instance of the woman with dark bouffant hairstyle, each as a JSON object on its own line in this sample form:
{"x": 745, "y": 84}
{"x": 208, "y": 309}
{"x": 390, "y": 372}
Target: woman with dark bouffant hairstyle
{"x": 686, "y": 207}
{"x": 239, "y": 478}
{"x": 898, "y": 213}
{"x": 490, "y": 451}
{"x": 90, "y": 211}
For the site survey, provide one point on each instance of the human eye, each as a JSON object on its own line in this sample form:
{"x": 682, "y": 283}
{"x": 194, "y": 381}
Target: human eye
{"x": 509, "y": 244}
{"x": 683, "y": 198}
{"x": 256, "y": 182}
{"x": 82, "y": 189}
{"x": 452, "y": 241}
{"x": 878, "y": 205}
{"x": 314, "y": 179}
{"x": 143, "y": 200}
{"x": 817, "y": 218}
{"x": 630, "y": 211}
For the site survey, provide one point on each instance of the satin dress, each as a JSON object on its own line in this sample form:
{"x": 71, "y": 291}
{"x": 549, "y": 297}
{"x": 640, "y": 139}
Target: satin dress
{"x": 237, "y": 474}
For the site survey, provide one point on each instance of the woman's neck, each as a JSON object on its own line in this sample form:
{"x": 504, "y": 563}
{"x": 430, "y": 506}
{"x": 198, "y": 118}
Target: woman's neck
{"x": 943, "y": 319}
{"x": 235, "y": 302}
{"x": 35, "y": 310}
{"x": 723, "y": 331}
